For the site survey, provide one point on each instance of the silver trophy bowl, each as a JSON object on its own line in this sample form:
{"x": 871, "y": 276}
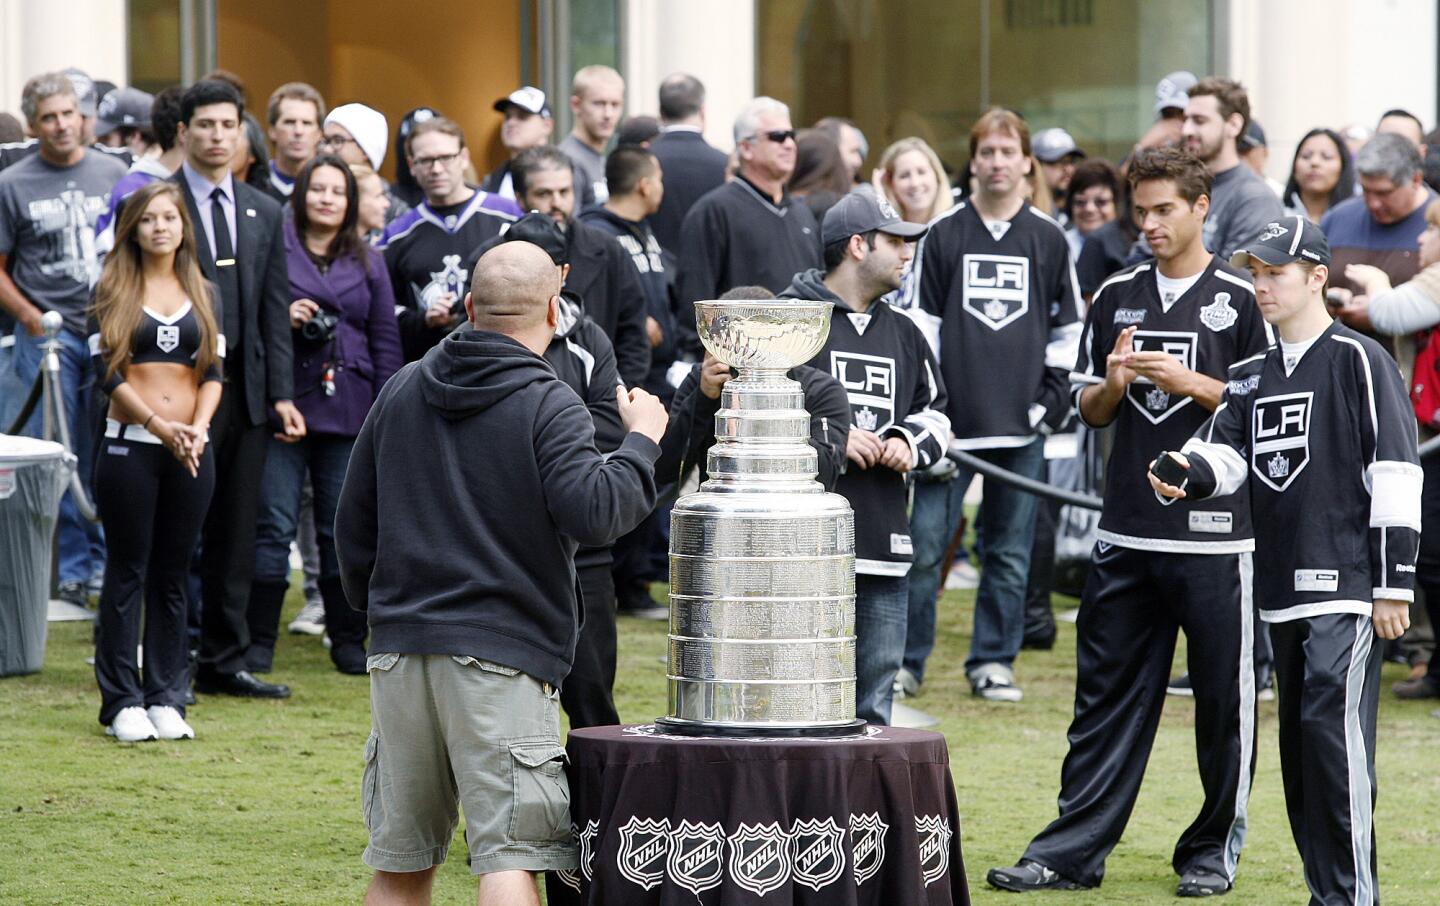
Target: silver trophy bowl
{"x": 762, "y": 558}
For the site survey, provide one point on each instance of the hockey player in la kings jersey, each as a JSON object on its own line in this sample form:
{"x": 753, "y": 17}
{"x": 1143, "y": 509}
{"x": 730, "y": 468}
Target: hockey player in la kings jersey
{"x": 1158, "y": 342}
{"x": 998, "y": 301}
{"x": 1321, "y": 431}
{"x": 897, "y": 421}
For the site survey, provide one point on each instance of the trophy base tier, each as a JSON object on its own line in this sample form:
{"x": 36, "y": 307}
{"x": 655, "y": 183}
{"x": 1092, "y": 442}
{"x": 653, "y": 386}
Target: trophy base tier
{"x": 677, "y": 727}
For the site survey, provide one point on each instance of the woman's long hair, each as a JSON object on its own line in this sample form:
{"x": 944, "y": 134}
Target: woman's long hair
{"x": 347, "y": 241}
{"x": 258, "y": 173}
{"x": 943, "y": 198}
{"x": 1344, "y": 186}
{"x": 120, "y": 293}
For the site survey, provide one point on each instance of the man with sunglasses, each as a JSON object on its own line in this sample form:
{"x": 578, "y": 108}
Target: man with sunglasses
{"x": 426, "y": 249}
{"x": 748, "y": 231}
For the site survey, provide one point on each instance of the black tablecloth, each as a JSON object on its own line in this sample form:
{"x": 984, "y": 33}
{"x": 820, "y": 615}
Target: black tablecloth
{"x": 674, "y": 820}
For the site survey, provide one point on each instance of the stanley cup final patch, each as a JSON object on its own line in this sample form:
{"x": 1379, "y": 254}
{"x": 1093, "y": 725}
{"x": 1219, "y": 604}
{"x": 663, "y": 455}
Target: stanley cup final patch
{"x": 1219, "y": 315}
{"x": 996, "y": 288}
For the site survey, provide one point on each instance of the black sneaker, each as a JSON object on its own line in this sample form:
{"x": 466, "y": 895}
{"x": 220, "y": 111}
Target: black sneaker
{"x": 1180, "y": 685}
{"x": 1030, "y": 875}
{"x": 1202, "y": 884}
{"x": 74, "y": 593}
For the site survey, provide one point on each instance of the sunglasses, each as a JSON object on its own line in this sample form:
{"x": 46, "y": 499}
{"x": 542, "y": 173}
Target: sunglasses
{"x": 778, "y": 136}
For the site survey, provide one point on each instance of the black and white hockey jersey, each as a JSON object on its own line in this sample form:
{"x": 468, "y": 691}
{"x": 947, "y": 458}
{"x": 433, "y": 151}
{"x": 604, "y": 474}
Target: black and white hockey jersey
{"x": 1002, "y": 310}
{"x": 1210, "y": 327}
{"x": 889, "y": 374}
{"x": 1328, "y": 446}
{"x": 426, "y": 250}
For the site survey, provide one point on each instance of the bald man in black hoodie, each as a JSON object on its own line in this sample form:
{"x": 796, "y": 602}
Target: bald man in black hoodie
{"x": 473, "y": 479}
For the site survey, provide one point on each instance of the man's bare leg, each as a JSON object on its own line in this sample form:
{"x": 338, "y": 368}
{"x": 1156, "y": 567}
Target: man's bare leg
{"x": 400, "y": 888}
{"x": 509, "y": 888}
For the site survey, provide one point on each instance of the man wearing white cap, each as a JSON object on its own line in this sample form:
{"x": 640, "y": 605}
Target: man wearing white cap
{"x": 360, "y": 135}
{"x": 1057, "y": 152}
{"x": 528, "y": 124}
{"x": 1171, "y": 97}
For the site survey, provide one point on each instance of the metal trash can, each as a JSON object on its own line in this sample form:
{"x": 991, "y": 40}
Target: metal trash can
{"x": 33, "y": 477}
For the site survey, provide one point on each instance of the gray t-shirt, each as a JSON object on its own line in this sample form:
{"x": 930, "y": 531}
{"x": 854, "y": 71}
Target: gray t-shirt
{"x": 47, "y": 229}
{"x": 1241, "y": 205}
{"x": 589, "y": 163}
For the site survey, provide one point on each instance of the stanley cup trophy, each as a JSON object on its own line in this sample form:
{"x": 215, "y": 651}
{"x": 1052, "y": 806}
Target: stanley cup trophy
{"x": 762, "y": 558}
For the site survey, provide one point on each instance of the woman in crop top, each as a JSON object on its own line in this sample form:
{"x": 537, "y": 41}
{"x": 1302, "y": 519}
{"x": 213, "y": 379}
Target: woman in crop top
{"x": 158, "y": 353}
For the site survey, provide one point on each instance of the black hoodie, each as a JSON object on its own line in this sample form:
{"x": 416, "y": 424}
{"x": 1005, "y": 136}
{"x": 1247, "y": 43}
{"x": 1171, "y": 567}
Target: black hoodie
{"x": 470, "y": 484}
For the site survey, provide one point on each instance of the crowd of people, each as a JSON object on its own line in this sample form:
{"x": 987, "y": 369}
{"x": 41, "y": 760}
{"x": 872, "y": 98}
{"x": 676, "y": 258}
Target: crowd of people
{"x": 242, "y": 302}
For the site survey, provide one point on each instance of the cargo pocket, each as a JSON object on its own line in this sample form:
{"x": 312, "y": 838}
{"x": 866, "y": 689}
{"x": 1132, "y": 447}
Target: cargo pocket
{"x": 383, "y": 661}
{"x": 540, "y": 811}
{"x": 370, "y": 780}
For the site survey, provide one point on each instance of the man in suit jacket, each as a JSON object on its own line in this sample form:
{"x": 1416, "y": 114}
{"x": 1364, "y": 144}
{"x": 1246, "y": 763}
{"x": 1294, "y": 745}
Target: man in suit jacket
{"x": 690, "y": 165}
{"x": 242, "y": 251}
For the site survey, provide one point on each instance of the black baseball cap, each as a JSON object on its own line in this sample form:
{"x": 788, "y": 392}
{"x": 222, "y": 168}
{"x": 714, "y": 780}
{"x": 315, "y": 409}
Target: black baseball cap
{"x": 529, "y": 98}
{"x": 123, "y": 108}
{"x": 1252, "y": 137}
{"x": 1292, "y": 238}
{"x": 540, "y": 229}
{"x": 861, "y": 211}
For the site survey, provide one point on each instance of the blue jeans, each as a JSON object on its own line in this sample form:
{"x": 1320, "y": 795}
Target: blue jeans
{"x": 82, "y": 546}
{"x": 326, "y": 456}
{"x": 880, "y": 608}
{"x": 1007, "y": 522}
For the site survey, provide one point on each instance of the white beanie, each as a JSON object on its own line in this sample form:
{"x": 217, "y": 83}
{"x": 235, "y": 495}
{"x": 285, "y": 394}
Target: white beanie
{"x": 367, "y": 126}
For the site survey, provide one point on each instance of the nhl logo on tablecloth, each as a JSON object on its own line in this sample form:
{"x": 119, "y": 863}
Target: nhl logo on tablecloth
{"x": 760, "y": 857}
{"x": 167, "y": 337}
{"x": 587, "y": 849}
{"x": 934, "y": 836}
{"x": 818, "y": 851}
{"x": 644, "y": 844}
{"x": 696, "y": 858}
{"x": 1219, "y": 315}
{"x": 867, "y": 845}
{"x": 567, "y": 876}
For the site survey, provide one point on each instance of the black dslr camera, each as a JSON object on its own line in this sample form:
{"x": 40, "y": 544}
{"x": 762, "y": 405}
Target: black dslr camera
{"x": 320, "y": 328}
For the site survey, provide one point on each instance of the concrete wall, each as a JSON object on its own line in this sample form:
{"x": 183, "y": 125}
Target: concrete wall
{"x": 1331, "y": 63}
{"x": 42, "y": 35}
{"x": 713, "y": 40}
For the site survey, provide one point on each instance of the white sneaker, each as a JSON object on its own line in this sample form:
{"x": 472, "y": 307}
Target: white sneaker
{"x": 310, "y": 620}
{"x": 963, "y": 575}
{"x": 168, "y": 722}
{"x": 902, "y": 715}
{"x": 995, "y": 683}
{"x": 131, "y": 725}
{"x": 907, "y": 683}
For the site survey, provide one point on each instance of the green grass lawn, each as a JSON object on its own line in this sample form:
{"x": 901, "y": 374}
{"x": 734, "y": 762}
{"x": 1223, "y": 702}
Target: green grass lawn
{"x": 264, "y": 806}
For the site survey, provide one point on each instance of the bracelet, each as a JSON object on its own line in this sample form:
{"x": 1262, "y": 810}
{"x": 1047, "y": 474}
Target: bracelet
{"x": 146, "y": 423}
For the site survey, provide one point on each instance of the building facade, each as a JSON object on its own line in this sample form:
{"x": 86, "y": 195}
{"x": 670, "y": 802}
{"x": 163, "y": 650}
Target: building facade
{"x": 924, "y": 67}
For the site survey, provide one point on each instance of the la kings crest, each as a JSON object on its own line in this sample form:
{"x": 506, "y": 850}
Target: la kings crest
{"x": 869, "y": 382}
{"x": 1151, "y": 401}
{"x": 1280, "y": 449}
{"x": 996, "y": 288}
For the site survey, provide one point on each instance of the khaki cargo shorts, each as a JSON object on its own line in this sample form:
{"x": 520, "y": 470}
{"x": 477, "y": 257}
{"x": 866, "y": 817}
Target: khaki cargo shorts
{"x": 450, "y": 731}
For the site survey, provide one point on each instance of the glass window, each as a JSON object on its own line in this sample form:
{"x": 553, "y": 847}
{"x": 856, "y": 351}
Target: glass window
{"x": 930, "y": 67}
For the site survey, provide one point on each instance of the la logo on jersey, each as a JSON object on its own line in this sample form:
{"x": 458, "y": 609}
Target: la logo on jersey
{"x": 167, "y": 337}
{"x": 869, "y": 381}
{"x": 996, "y": 288}
{"x": 1281, "y": 447}
{"x": 1151, "y": 401}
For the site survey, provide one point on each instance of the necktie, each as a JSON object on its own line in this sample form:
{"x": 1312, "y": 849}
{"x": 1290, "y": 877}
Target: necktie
{"x": 226, "y": 274}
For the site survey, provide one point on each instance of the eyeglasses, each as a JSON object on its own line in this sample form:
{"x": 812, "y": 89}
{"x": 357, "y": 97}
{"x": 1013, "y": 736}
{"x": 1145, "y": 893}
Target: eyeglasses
{"x": 1104, "y": 201}
{"x": 778, "y": 136}
{"x": 443, "y": 160}
{"x": 336, "y": 141}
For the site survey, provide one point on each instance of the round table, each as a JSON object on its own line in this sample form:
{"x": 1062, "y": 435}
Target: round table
{"x": 664, "y": 819}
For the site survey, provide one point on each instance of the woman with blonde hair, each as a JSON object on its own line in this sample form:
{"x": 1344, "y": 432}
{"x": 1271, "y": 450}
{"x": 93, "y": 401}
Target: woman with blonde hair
{"x": 158, "y": 350}
{"x": 912, "y": 179}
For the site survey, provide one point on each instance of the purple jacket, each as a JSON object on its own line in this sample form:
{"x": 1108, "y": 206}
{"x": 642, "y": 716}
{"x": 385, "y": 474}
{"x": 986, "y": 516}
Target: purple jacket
{"x": 366, "y": 349}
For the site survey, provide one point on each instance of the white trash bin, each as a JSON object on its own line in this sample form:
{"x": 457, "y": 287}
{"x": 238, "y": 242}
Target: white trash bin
{"x": 33, "y": 477}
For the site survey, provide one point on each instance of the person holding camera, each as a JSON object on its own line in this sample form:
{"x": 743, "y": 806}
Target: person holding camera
{"x": 347, "y": 344}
